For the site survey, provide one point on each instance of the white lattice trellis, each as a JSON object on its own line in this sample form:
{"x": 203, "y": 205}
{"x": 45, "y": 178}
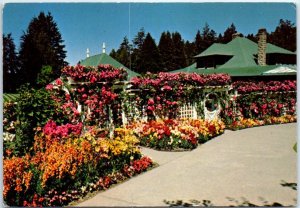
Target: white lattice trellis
{"x": 188, "y": 110}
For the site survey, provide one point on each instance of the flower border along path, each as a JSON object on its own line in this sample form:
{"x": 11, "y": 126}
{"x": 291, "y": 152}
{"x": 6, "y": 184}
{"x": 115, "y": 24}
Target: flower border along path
{"x": 66, "y": 165}
{"x": 176, "y": 134}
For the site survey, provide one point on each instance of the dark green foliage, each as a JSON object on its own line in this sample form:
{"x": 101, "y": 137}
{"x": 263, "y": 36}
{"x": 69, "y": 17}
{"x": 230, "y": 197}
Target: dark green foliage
{"x": 150, "y": 57}
{"x": 205, "y": 39}
{"x": 113, "y": 54}
{"x": 41, "y": 45}
{"x": 11, "y": 68}
{"x": 190, "y": 52}
{"x": 178, "y": 54}
{"x": 123, "y": 53}
{"x": 227, "y": 37}
{"x": 138, "y": 42}
{"x": 166, "y": 49}
{"x": 208, "y": 37}
{"x": 45, "y": 76}
{"x": 34, "y": 108}
{"x": 198, "y": 43}
{"x": 252, "y": 37}
{"x": 284, "y": 35}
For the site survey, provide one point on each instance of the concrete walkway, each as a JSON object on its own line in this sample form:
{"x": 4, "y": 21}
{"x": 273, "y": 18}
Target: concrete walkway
{"x": 256, "y": 165}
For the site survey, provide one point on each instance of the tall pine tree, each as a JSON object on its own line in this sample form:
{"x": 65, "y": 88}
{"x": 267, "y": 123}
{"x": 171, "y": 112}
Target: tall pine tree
{"x": 138, "y": 42}
{"x": 166, "y": 49}
{"x": 190, "y": 51}
{"x": 123, "y": 53}
{"x": 11, "y": 70}
{"x": 208, "y": 37}
{"x": 178, "y": 54}
{"x": 198, "y": 43}
{"x": 149, "y": 56}
{"x": 41, "y": 45}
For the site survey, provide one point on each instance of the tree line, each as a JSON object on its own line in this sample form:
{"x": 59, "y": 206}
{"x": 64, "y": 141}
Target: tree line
{"x": 173, "y": 52}
{"x": 42, "y": 53}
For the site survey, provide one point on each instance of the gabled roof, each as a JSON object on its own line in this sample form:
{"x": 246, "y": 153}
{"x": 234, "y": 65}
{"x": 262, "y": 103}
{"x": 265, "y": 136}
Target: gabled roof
{"x": 242, "y": 71}
{"x": 106, "y": 59}
{"x": 242, "y": 50}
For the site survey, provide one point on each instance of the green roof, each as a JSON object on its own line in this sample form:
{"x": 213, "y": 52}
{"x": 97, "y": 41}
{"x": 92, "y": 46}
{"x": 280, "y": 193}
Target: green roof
{"x": 236, "y": 71}
{"x": 106, "y": 59}
{"x": 242, "y": 50}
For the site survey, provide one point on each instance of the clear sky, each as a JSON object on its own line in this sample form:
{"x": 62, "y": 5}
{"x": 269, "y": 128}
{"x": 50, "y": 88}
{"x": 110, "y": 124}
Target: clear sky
{"x": 87, "y": 25}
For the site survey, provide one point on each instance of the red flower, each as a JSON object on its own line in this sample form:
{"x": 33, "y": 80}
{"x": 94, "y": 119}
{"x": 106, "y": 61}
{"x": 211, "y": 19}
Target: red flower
{"x": 58, "y": 82}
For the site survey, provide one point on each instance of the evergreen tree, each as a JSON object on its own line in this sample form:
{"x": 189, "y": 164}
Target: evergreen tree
{"x": 284, "y": 35}
{"x": 11, "y": 70}
{"x": 179, "y": 53}
{"x": 138, "y": 42}
{"x": 190, "y": 52}
{"x": 208, "y": 37}
{"x": 149, "y": 57}
{"x": 219, "y": 39}
{"x": 227, "y": 37}
{"x": 113, "y": 54}
{"x": 252, "y": 37}
{"x": 198, "y": 43}
{"x": 123, "y": 53}
{"x": 166, "y": 49}
{"x": 41, "y": 45}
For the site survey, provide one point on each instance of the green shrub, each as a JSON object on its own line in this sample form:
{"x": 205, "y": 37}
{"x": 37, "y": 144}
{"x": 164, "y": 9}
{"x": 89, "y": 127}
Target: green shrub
{"x": 34, "y": 108}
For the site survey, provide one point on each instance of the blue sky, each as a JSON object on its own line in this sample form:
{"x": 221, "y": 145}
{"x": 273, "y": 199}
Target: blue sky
{"x": 87, "y": 25}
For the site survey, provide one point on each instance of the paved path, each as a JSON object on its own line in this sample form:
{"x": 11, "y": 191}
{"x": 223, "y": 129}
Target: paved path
{"x": 256, "y": 164}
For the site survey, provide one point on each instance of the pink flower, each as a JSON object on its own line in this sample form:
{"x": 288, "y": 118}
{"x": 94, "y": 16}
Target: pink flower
{"x": 58, "y": 82}
{"x": 49, "y": 87}
{"x": 150, "y": 101}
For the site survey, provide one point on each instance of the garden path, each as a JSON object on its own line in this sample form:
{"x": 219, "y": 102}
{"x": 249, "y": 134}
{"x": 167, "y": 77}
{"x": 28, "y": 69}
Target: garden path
{"x": 256, "y": 165}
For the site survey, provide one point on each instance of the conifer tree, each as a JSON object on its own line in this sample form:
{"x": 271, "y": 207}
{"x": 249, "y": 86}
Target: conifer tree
{"x": 136, "y": 49}
{"x": 41, "y": 45}
{"x": 150, "y": 57}
{"x": 227, "y": 37}
{"x": 123, "y": 53}
{"x": 179, "y": 53}
{"x": 190, "y": 51}
{"x": 11, "y": 70}
{"x": 198, "y": 43}
{"x": 166, "y": 49}
{"x": 284, "y": 35}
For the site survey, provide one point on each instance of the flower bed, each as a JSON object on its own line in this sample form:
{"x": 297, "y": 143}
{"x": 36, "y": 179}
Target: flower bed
{"x": 174, "y": 134}
{"x": 67, "y": 164}
{"x": 249, "y": 123}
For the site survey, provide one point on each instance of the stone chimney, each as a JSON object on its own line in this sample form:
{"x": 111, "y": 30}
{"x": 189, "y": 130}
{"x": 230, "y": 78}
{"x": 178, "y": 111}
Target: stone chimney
{"x": 234, "y": 35}
{"x": 87, "y": 53}
{"x": 262, "y": 46}
{"x": 103, "y": 48}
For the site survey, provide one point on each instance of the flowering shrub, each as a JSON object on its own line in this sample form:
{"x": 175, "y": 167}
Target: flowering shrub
{"x": 162, "y": 94}
{"x": 172, "y": 134}
{"x": 89, "y": 97}
{"x": 102, "y": 73}
{"x": 264, "y": 86}
{"x": 259, "y": 100}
